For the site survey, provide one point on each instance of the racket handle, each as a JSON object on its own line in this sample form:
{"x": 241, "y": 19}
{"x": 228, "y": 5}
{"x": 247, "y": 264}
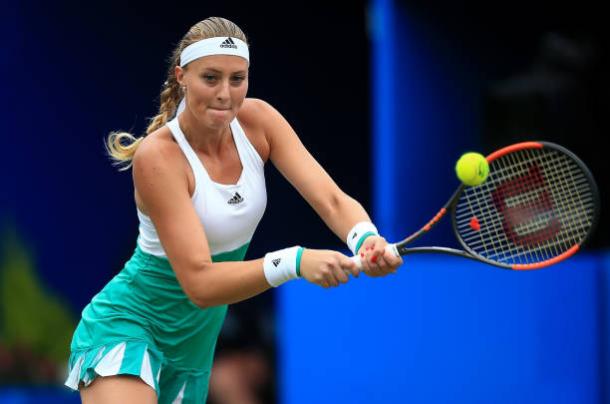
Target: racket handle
{"x": 391, "y": 248}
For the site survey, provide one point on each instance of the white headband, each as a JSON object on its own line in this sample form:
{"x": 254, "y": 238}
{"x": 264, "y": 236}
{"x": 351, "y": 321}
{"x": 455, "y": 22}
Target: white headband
{"x": 214, "y": 46}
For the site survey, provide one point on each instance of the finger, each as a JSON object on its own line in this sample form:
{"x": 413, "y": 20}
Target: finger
{"x": 384, "y": 267}
{"x": 378, "y": 249}
{"x": 340, "y": 274}
{"x": 331, "y": 279}
{"x": 383, "y": 258}
{"x": 367, "y": 266}
{"x": 339, "y": 270}
{"x": 374, "y": 269}
{"x": 392, "y": 259}
{"x": 349, "y": 266}
{"x": 391, "y": 262}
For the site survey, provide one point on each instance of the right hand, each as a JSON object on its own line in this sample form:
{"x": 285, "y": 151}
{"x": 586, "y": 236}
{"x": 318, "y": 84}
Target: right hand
{"x": 326, "y": 268}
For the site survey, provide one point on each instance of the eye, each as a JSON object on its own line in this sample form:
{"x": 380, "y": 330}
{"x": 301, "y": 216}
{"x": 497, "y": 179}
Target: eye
{"x": 238, "y": 79}
{"x": 209, "y": 77}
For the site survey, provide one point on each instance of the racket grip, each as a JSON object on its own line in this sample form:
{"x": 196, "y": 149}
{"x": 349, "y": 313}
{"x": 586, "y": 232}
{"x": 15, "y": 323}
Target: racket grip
{"x": 357, "y": 261}
{"x": 391, "y": 248}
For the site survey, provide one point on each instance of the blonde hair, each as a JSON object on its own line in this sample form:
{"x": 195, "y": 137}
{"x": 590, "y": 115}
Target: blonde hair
{"x": 121, "y": 146}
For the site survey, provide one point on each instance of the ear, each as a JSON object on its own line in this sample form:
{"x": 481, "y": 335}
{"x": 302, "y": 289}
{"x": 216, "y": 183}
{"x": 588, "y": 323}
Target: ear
{"x": 179, "y": 72}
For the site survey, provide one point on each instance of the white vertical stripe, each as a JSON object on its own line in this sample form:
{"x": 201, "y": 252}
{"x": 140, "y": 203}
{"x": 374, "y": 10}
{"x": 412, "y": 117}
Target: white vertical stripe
{"x": 159, "y": 372}
{"x": 146, "y": 370}
{"x": 74, "y": 376}
{"x": 180, "y": 396}
{"x": 111, "y": 362}
{"x": 87, "y": 377}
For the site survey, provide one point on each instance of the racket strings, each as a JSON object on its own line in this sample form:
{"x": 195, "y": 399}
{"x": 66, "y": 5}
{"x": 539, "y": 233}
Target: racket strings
{"x": 536, "y": 251}
{"x": 535, "y": 205}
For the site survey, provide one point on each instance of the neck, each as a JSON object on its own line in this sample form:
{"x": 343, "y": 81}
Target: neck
{"x": 201, "y": 138}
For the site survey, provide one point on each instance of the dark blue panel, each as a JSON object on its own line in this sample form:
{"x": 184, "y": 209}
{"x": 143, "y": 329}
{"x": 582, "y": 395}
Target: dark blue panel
{"x": 38, "y": 395}
{"x": 604, "y": 330}
{"x": 444, "y": 330}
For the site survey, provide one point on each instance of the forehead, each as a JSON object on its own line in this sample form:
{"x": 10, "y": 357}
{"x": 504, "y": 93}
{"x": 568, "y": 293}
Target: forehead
{"x": 223, "y": 63}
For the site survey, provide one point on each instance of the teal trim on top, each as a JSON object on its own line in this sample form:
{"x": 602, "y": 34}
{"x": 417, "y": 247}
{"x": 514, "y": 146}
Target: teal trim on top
{"x": 235, "y": 255}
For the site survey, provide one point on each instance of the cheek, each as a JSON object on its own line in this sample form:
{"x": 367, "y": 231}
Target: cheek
{"x": 201, "y": 92}
{"x": 239, "y": 93}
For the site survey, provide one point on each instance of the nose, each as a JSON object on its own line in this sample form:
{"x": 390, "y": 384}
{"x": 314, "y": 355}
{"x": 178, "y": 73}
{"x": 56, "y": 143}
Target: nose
{"x": 223, "y": 91}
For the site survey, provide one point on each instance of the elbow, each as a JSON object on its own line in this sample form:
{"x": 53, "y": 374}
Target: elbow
{"x": 197, "y": 288}
{"x": 201, "y": 302}
{"x": 197, "y": 298}
{"x": 202, "y": 299}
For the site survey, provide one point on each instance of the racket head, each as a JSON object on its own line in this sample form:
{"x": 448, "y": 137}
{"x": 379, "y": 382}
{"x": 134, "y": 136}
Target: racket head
{"x": 537, "y": 207}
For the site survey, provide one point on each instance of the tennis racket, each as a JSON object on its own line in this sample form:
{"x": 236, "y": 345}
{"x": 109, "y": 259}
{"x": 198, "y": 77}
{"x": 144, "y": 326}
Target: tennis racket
{"x": 537, "y": 207}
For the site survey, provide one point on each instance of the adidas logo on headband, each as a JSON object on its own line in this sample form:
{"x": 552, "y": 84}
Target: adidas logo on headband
{"x": 228, "y": 43}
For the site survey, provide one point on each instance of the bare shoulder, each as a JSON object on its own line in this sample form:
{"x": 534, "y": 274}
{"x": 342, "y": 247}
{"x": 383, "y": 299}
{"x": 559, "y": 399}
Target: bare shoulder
{"x": 159, "y": 158}
{"x": 255, "y": 109}
{"x": 158, "y": 148}
{"x": 259, "y": 113}
{"x": 254, "y": 116}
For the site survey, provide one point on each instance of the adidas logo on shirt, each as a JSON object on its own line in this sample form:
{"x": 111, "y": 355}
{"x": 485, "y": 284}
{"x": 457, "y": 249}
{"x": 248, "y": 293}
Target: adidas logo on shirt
{"x": 276, "y": 261}
{"x": 237, "y": 198}
{"x": 228, "y": 43}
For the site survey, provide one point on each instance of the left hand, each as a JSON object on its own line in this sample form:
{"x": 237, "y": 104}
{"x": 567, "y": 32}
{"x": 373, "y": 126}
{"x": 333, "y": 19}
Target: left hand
{"x": 376, "y": 261}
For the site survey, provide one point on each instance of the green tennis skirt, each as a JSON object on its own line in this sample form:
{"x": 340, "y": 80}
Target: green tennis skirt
{"x": 142, "y": 324}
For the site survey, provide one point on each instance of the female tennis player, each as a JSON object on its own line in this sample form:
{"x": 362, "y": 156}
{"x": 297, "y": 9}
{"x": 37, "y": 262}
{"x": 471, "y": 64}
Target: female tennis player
{"x": 149, "y": 336}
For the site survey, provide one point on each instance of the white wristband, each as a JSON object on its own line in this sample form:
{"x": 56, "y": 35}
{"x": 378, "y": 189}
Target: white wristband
{"x": 282, "y": 265}
{"x": 358, "y": 234}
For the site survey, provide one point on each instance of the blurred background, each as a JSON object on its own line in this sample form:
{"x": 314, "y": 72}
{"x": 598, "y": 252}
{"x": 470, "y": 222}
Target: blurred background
{"x": 403, "y": 88}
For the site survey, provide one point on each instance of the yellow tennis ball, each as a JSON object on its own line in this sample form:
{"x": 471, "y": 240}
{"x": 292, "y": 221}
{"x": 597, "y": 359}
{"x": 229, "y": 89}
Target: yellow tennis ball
{"x": 472, "y": 169}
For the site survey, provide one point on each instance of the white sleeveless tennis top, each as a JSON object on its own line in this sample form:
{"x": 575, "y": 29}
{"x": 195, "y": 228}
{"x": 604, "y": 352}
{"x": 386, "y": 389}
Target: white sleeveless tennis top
{"x": 229, "y": 213}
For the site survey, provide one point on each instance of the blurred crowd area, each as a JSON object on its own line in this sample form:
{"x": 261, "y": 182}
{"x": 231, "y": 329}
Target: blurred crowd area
{"x": 35, "y": 324}
{"x": 244, "y": 366}
{"x": 36, "y": 327}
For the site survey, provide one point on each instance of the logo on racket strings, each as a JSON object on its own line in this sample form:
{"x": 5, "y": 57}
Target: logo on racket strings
{"x": 527, "y": 209}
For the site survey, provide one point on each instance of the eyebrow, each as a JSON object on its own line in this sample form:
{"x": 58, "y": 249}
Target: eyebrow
{"x": 220, "y": 71}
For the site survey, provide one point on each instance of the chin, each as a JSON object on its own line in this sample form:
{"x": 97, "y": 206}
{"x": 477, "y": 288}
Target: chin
{"x": 220, "y": 118}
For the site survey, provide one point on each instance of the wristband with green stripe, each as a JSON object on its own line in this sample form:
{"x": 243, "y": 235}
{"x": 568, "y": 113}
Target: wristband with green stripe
{"x": 360, "y": 232}
{"x": 298, "y": 263}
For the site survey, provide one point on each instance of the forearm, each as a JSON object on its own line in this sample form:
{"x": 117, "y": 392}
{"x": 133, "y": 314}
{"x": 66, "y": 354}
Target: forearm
{"x": 341, "y": 213}
{"x": 227, "y": 282}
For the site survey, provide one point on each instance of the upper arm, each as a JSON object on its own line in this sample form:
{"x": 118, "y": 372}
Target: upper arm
{"x": 162, "y": 186}
{"x": 294, "y": 161}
